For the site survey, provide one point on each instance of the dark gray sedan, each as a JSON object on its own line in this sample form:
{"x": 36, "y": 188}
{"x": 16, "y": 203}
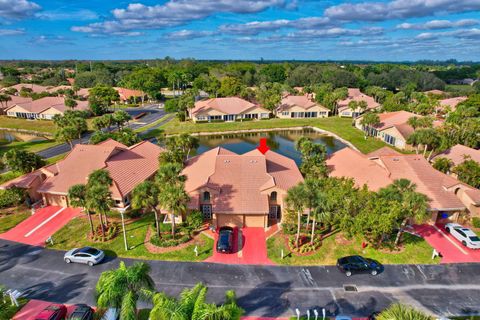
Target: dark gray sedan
{"x": 86, "y": 255}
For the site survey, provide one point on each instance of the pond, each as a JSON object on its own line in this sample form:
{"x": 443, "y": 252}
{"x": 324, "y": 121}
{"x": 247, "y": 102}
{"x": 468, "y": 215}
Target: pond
{"x": 11, "y": 136}
{"x": 282, "y": 142}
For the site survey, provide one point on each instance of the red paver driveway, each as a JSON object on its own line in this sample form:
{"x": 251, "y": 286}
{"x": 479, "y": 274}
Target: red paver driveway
{"x": 40, "y": 226}
{"x": 452, "y": 250}
{"x": 34, "y": 307}
{"x": 249, "y": 247}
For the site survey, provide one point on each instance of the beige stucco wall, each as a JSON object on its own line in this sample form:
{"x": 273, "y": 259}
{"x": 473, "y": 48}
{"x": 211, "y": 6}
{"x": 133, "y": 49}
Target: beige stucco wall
{"x": 49, "y": 113}
{"x": 296, "y": 108}
{"x": 16, "y": 108}
{"x": 209, "y": 112}
{"x": 400, "y": 142}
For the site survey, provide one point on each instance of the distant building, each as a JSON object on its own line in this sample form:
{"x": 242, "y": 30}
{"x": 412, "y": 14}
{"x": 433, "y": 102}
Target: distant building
{"x": 34, "y": 87}
{"x": 458, "y": 153}
{"x": 451, "y": 103}
{"x": 392, "y": 129}
{"x": 128, "y": 95}
{"x": 45, "y": 108}
{"x": 227, "y": 109}
{"x": 13, "y": 100}
{"x": 300, "y": 107}
{"x": 354, "y": 94}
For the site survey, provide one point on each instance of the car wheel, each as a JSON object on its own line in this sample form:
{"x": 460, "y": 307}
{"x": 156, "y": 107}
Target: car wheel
{"x": 348, "y": 273}
{"x": 90, "y": 263}
{"x": 374, "y": 272}
{"x": 464, "y": 243}
{"x": 447, "y": 229}
{"x": 68, "y": 260}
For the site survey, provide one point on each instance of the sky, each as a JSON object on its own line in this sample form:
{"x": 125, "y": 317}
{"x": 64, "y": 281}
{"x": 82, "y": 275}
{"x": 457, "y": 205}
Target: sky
{"x": 397, "y": 30}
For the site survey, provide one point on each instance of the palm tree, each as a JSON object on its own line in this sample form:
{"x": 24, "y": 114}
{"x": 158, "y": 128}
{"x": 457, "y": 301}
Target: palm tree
{"x": 77, "y": 197}
{"x": 145, "y": 195}
{"x": 369, "y": 121}
{"x": 192, "y": 306}
{"x": 403, "y": 312}
{"x": 310, "y": 196}
{"x": 295, "y": 201}
{"x": 174, "y": 199}
{"x": 414, "y": 204}
{"x": 169, "y": 174}
{"x": 123, "y": 287}
{"x": 99, "y": 199}
{"x": 101, "y": 181}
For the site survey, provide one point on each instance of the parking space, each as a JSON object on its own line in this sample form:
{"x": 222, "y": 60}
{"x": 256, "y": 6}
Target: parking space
{"x": 249, "y": 247}
{"x": 40, "y": 226}
{"x": 451, "y": 249}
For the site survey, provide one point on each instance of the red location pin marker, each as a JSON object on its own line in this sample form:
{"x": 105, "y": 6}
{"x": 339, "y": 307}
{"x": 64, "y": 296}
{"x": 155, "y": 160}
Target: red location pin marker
{"x": 263, "y": 148}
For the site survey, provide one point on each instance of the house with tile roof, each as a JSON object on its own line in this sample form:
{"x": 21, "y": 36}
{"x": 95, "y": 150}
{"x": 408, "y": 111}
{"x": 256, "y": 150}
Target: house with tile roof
{"x": 295, "y": 107}
{"x": 35, "y": 88}
{"x": 355, "y": 95}
{"x": 458, "y": 153}
{"x": 448, "y": 197}
{"x": 127, "y": 166}
{"x": 227, "y": 109}
{"x": 13, "y": 100}
{"x": 44, "y": 108}
{"x": 127, "y": 95}
{"x": 246, "y": 190}
{"x": 393, "y": 128}
{"x": 451, "y": 103}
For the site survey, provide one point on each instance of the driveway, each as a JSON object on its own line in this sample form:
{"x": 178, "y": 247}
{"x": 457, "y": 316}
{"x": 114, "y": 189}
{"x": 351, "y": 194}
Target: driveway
{"x": 452, "y": 250}
{"x": 40, "y": 226}
{"x": 249, "y": 247}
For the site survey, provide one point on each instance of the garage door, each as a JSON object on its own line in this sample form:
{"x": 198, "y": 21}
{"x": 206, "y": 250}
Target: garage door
{"x": 255, "y": 221}
{"x": 229, "y": 220}
{"x": 55, "y": 200}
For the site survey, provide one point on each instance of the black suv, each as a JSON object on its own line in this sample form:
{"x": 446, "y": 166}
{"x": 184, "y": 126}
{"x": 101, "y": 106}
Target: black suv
{"x": 225, "y": 240}
{"x": 358, "y": 264}
{"x": 81, "y": 312}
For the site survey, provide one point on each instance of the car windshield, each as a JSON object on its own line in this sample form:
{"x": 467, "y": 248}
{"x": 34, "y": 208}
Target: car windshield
{"x": 224, "y": 237}
{"x": 475, "y": 239}
{"x": 91, "y": 251}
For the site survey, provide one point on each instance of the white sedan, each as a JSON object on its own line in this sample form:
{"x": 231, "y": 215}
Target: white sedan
{"x": 466, "y": 236}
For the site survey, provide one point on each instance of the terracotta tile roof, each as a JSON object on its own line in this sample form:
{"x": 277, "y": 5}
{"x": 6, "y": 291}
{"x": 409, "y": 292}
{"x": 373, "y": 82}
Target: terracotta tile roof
{"x": 84, "y": 92}
{"x": 15, "y": 100}
{"x": 376, "y": 174}
{"x": 239, "y": 179}
{"x": 303, "y": 102}
{"x": 397, "y": 119}
{"x": 452, "y": 103}
{"x": 42, "y": 104}
{"x": 435, "y": 91}
{"x": 127, "y": 166}
{"x": 23, "y": 182}
{"x": 458, "y": 152}
{"x": 383, "y": 151}
{"x": 354, "y": 94}
{"x": 35, "y": 87}
{"x": 55, "y": 89}
{"x": 229, "y": 105}
{"x": 353, "y": 164}
{"x": 126, "y": 94}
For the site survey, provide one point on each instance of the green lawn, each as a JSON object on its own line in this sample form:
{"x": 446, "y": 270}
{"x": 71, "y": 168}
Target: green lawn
{"x": 74, "y": 234}
{"x": 339, "y": 126}
{"x": 7, "y": 311}
{"x": 9, "y": 218}
{"x": 416, "y": 250}
{"x": 32, "y": 146}
{"x": 45, "y": 126}
{"x": 7, "y": 176}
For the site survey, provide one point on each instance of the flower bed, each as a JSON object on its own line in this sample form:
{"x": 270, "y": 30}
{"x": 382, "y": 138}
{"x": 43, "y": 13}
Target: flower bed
{"x": 167, "y": 239}
{"x": 111, "y": 231}
{"x": 305, "y": 247}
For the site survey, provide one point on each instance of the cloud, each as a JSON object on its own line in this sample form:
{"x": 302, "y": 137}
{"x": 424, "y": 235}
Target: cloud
{"x": 80, "y": 15}
{"x": 398, "y": 9}
{"x": 17, "y": 9}
{"x": 188, "y": 34}
{"x": 256, "y": 27}
{"x": 473, "y": 33}
{"x": 174, "y": 13}
{"x": 438, "y": 24}
{"x": 51, "y": 39}
{"x": 11, "y": 32}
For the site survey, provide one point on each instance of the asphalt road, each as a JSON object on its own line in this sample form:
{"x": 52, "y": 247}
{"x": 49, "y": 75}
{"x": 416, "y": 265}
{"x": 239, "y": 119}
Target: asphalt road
{"x": 153, "y": 114}
{"x": 271, "y": 291}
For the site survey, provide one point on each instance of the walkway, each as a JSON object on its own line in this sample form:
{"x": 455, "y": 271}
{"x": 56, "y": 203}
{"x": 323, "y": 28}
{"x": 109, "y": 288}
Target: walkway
{"x": 452, "y": 250}
{"x": 40, "y": 226}
{"x": 249, "y": 247}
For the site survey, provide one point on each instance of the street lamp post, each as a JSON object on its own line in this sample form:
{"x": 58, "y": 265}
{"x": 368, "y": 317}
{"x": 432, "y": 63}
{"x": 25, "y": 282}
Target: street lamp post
{"x": 122, "y": 211}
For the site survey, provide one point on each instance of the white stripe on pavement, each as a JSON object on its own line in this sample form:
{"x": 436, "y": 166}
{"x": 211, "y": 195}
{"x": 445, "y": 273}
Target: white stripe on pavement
{"x": 44, "y": 222}
{"x": 451, "y": 241}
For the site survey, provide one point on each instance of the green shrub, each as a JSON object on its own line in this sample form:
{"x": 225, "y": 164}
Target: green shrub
{"x": 168, "y": 241}
{"x": 195, "y": 220}
{"x": 476, "y": 222}
{"x": 12, "y": 197}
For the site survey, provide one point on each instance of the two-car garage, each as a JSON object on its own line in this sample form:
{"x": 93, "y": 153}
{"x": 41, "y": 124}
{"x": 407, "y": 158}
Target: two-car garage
{"x": 242, "y": 220}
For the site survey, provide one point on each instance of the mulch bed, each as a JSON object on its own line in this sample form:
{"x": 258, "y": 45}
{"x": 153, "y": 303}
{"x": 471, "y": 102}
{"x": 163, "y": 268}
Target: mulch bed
{"x": 156, "y": 249}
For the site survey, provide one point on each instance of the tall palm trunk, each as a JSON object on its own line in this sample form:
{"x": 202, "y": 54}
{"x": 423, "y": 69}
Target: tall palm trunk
{"x": 157, "y": 224}
{"x": 101, "y": 224}
{"x": 173, "y": 225}
{"x": 308, "y": 218}
{"x": 400, "y": 232}
{"x": 297, "y": 239}
{"x": 90, "y": 221}
{"x": 106, "y": 218}
{"x": 425, "y": 150}
{"x": 313, "y": 230}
